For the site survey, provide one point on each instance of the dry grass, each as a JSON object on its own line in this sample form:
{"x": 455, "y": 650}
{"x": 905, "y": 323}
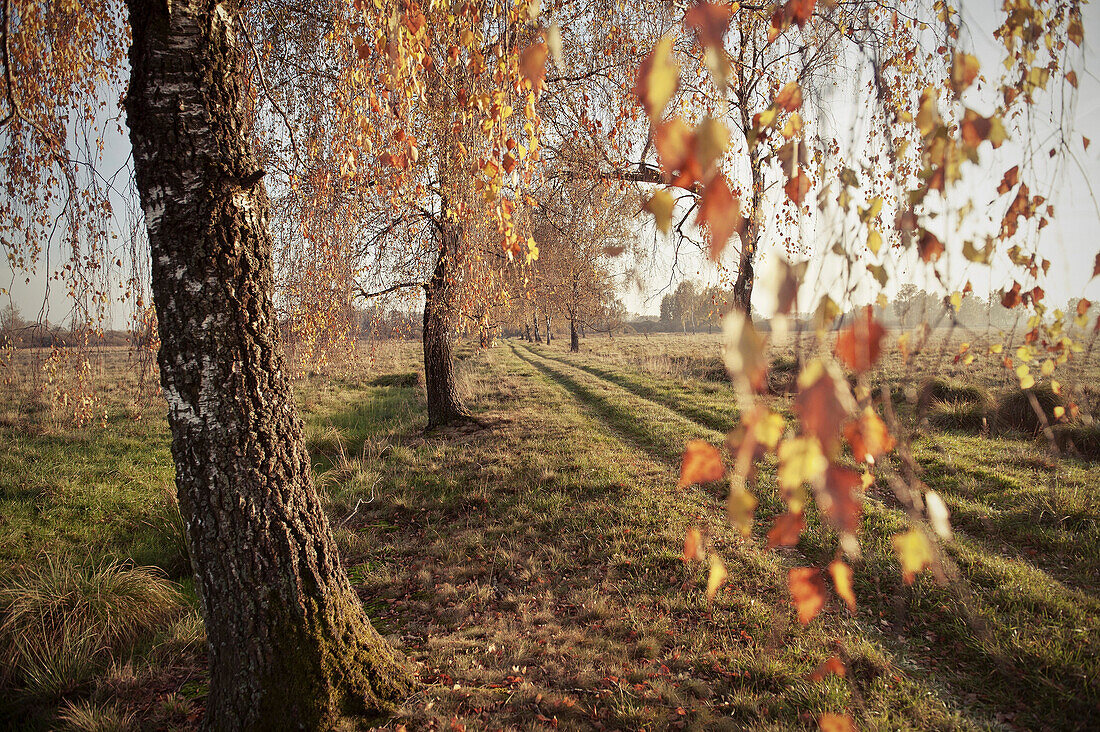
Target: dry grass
{"x": 63, "y": 619}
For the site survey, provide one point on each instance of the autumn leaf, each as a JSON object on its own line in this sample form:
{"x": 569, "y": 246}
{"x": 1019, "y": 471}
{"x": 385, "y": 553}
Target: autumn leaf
{"x": 929, "y": 246}
{"x": 743, "y": 350}
{"x": 532, "y": 63}
{"x": 938, "y": 515}
{"x": 842, "y": 581}
{"x": 789, "y": 97}
{"x": 1010, "y": 179}
{"x": 797, "y": 186}
{"x": 740, "y": 506}
{"x": 658, "y": 77}
{"x": 674, "y": 143}
{"x": 718, "y": 576}
{"x": 860, "y": 344}
{"x": 840, "y": 499}
{"x": 807, "y": 592}
{"x": 710, "y": 21}
{"x": 824, "y": 401}
{"x": 868, "y": 437}
{"x": 831, "y": 666}
{"x": 836, "y": 723}
{"x": 913, "y": 552}
{"x": 702, "y": 463}
{"x": 661, "y": 205}
{"x": 693, "y": 546}
{"x": 712, "y": 139}
{"x": 720, "y": 213}
{"x": 964, "y": 70}
{"x": 786, "y": 530}
{"x": 800, "y": 11}
{"x": 801, "y": 461}
{"x": 1071, "y": 77}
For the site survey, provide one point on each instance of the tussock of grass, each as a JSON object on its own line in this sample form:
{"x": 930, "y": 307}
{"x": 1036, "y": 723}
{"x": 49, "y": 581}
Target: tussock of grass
{"x": 958, "y": 414}
{"x": 1078, "y": 440}
{"x": 1015, "y": 411}
{"x": 86, "y": 716}
{"x": 935, "y": 391}
{"x": 62, "y": 619}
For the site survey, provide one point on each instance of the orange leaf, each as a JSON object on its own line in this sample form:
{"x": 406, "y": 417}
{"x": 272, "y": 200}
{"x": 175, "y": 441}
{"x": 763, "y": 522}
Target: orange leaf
{"x": 720, "y": 212}
{"x": 673, "y": 140}
{"x": 832, "y": 666}
{"x": 800, "y": 10}
{"x": 1011, "y": 178}
{"x": 964, "y": 71}
{"x": 786, "y": 530}
{"x": 807, "y": 592}
{"x": 1096, "y": 266}
{"x": 702, "y": 463}
{"x": 532, "y": 62}
{"x": 859, "y": 345}
{"x": 929, "y": 246}
{"x": 797, "y": 186}
{"x": 693, "y": 546}
{"x": 869, "y": 437}
{"x": 789, "y": 97}
{"x": 842, "y": 580}
{"x": 710, "y": 21}
{"x": 836, "y": 723}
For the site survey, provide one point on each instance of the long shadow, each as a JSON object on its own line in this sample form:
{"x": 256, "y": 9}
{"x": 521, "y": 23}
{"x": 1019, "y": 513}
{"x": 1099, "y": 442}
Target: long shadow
{"x": 719, "y": 421}
{"x": 626, "y": 424}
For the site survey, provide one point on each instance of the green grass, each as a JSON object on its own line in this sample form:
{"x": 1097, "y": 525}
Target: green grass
{"x": 532, "y": 567}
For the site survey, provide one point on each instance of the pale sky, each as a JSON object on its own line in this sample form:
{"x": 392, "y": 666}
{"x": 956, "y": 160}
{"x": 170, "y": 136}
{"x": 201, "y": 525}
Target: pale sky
{"x": 1070, "y": 241}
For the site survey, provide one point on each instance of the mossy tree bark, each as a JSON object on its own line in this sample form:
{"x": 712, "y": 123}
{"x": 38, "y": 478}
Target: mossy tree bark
{"x": 289, "y": 643}
{"x": 444, "y": 404}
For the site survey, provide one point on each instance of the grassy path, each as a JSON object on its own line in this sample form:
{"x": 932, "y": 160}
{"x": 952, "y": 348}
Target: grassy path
{"x": 1007, "y": 636}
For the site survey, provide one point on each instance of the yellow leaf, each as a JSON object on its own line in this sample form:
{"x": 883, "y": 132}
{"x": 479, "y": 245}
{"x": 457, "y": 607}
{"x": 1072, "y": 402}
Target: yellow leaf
{"x": 800, "y": 461}
{"x": 740, "y": 507}
{"x": 718, "y": 576}
{"x": 938, "y": 515}
{"x": 712, "y": 139}
{"x": 661, "y": 204}
{"x": 842, "y": 580}
{"x": 914, "y": 553}
{"x": 1048, "y": 367}
{"x": 874, "y": 240}
{"x": 657, "y": 79}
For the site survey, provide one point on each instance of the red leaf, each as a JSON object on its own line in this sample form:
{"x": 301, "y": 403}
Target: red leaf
{"x": 720, "y": 212}
{"x": 702, "y": 463}
{"x": 797, "y": 186}
{"x": 786, "y": 530}
{"x": 859, "y": 345}
{"x": 840, "y": 502}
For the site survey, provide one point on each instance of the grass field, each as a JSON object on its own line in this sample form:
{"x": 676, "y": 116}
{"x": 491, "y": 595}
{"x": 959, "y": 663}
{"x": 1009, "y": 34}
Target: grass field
{"x": 532, "y": 569}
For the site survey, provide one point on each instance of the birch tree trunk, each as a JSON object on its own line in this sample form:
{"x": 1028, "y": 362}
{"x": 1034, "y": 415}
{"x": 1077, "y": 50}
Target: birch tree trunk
{"x": 289, "y": 643}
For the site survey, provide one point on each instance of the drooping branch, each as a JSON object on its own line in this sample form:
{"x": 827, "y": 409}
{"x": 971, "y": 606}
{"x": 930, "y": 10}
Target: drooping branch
{"x": 360, "y": 292}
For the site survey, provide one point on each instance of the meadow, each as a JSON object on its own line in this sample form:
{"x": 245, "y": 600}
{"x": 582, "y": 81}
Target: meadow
{"x": 530, "y": 564}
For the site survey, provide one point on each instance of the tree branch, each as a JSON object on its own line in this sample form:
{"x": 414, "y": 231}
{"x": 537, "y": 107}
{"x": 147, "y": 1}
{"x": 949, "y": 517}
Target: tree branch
{"x": 360, "y": 292}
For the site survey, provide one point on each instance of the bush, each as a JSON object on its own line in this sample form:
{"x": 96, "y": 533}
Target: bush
{"x": 1078, "y": 440}
{"x": 62, "y": 620}
{"x": 1015, "y": 411}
